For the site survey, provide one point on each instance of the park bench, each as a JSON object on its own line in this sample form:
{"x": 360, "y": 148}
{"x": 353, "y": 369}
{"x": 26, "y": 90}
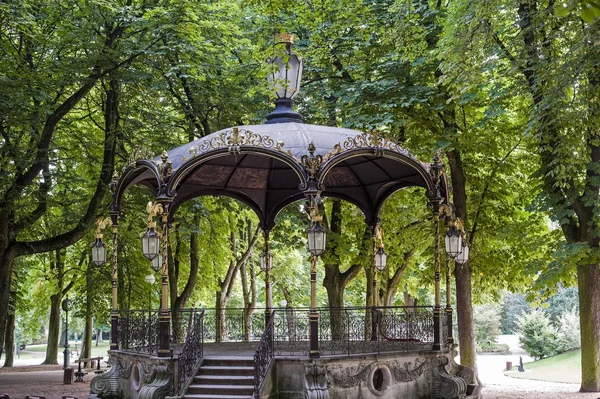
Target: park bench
{"x": 79, "y": 374}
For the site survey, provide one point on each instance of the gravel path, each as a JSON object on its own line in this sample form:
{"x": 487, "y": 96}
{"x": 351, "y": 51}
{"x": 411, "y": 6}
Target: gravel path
{"x": 17, "y": 382}
{"x": 498, "y": 386}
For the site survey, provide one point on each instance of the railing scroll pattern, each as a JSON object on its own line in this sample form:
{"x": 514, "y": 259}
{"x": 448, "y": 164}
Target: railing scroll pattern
{"x": 263, "y": 355}
{"x": 192, "y": 351}
{"x": 138, "y": 331}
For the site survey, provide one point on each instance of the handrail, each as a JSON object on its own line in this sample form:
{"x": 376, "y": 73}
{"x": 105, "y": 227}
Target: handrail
{"x": 192, "y": 351}
{"x": 263, "y": 355}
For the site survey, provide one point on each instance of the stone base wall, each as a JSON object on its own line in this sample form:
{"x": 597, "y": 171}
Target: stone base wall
{"x": 134, "y": 376}
{"x": 408, "y": 375}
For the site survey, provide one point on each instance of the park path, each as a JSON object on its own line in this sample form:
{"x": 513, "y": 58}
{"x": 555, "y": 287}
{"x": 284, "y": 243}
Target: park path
{"x": 499, "y": 386}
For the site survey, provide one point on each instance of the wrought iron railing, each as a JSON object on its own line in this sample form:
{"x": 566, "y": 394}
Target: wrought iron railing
{"x": 191, "y": 352}
{"x": 233, "y": 324}
{"x": 263, "y": 356}
{"x": 342, "y": 331}
{"x": 138, "y": 331}
{"x": 354, "y": 330}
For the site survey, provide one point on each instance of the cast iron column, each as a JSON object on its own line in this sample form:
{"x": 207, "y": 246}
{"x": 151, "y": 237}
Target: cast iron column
{"x": 268, "y": 294}
{"x": 374, "y": 299}
{"x": 437, "y": 310}
{"x": 114, "y": 314}
{"x": 164, "y": 316}
{"x": 314, "y": 315}
{"x": 450, "y": 339}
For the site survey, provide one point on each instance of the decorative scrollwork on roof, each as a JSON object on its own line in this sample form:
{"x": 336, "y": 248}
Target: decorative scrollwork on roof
{"x": 138, "y": 154}
{"x": 374, "y": 141}
{"x": 233, "y": 140}
{"x": 311, "y": 162}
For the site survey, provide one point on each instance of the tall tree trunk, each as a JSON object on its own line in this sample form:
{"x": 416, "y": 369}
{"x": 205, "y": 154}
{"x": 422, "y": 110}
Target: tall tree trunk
{"x": 462, "y": 274}
{"x": 589, "y": 321}
{"x": 466, "y": 329}
{"x": 53, "y": 330}
{"x": 10, "y": 340}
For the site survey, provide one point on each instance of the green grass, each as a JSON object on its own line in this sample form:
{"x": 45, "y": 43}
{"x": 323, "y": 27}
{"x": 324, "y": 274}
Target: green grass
{"x": 565, "y": 367}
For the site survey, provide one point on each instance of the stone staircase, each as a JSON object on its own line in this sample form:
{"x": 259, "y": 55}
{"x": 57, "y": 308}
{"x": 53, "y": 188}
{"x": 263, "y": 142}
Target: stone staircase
{"x": 223, "y": 378}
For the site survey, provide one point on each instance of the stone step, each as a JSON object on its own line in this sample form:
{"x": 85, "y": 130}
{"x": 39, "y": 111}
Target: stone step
{"x": 226, "y": 370}
{"x": 214, "y": 396}
{"x": 223, "y": 380}
{"x": 229, "y": 361}
{"x": 221, "y": 389}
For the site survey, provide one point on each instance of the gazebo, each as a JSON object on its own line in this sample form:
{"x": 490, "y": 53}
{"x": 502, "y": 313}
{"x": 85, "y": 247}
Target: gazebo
{"x": 320, "y": 353}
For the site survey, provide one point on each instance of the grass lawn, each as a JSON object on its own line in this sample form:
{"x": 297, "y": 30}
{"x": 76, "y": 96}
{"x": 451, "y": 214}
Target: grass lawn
{"x": 565, "y": 367}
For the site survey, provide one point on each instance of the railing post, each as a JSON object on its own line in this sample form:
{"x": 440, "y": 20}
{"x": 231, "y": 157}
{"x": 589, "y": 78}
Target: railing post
{"x": 114, "y": 314}
{"x": 314, "y": 351}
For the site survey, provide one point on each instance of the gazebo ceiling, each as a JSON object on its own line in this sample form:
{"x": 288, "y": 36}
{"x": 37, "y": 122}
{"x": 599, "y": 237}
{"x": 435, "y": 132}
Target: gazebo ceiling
{"x": 272, "y": 165}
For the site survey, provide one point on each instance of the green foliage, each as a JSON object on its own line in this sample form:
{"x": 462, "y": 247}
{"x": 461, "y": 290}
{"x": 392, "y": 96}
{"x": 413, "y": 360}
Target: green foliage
{"x": 569, "y": 336}
{"x": 486, "y": 319}
{"x": 512, "y": 305}
{"x": 536, "y": 334}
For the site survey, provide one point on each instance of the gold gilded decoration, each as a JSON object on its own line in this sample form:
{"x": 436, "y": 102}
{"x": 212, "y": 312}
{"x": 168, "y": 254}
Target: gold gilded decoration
{"x": 101, "y": 224}
{"x": 233, "y": 140}
{"x": 153, "y": 211}
{"x": 311, "y": 162}
{"x": 375, "y": 141}
{"x": 166, "y": 167}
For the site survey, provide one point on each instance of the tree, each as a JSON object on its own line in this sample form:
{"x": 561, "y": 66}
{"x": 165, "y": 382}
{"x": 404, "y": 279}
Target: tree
{"x": 553, "y": 63}
{"x": 43, "y": 88}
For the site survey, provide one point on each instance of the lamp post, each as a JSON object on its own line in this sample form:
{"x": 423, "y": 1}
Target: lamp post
{"x": 266, "y": 263}
{"x": 317, "y": 239}
{"x": 150, "y": 279}
{"x": 457, "y": 249}
{"x": 379, "y": 263}
{"x": 68, "y": 372}
{"x": 285, "y": 82}
{"x": 98, "y": 247}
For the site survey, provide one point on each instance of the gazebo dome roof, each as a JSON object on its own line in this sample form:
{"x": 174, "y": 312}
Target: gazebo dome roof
{"x": 272, "y": 165}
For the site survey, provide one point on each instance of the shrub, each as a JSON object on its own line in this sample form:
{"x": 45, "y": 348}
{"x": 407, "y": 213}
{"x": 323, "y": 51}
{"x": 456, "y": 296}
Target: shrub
{"x": 536, "y": 335}
{"x": 493, "y": 348}
{"x": 568, "y": 332}
{"x": 486, "y": 319}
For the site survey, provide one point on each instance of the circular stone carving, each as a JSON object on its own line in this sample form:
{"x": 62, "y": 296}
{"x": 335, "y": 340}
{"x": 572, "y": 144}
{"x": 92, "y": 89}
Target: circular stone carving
{"x": 136, "y": 373}
{"x": 379, "y": 379}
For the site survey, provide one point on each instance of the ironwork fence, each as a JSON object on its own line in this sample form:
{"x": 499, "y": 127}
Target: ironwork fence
{"x": 348, "y": 331}
{"x": 138, "y": 331}
{"x": 342, "y": 331}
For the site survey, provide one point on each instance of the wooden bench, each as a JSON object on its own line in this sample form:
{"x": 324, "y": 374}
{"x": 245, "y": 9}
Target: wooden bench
{"x": 79, "y": 374}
